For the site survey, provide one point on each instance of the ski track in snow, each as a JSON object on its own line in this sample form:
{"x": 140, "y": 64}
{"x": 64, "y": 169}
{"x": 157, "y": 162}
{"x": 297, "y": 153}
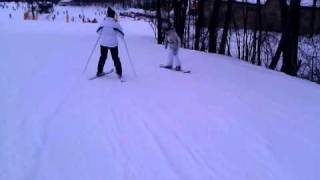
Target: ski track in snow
{"x": 183, "y": 146}
{"x": 227, "y": 120}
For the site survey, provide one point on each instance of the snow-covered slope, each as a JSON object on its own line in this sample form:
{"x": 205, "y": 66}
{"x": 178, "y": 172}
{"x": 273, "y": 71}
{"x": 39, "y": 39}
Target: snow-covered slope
{"x": 227, "y": 120}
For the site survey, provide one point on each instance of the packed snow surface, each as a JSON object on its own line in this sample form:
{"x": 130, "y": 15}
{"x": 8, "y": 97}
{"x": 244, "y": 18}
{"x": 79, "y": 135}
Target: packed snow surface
{"x": 227, "y": 120}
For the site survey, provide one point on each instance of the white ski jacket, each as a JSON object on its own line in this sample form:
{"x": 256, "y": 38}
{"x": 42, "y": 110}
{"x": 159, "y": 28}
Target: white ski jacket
{"x": 108, "y": 31}
{"x": 173, "y": 40}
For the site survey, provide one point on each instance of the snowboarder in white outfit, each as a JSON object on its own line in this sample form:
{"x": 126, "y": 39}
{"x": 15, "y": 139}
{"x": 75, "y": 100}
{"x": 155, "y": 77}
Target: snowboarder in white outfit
{"x": 172, "y": 40}
{"x": 108, "y": 30}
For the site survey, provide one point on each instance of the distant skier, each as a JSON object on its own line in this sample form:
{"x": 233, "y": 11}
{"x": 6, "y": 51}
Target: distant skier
{"x": 108, "y": 30}
{"x": 173, "y": 41}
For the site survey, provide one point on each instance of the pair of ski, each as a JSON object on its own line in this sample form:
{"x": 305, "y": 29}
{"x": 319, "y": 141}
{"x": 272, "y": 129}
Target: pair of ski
{"x": 122, "y": 80}
{"x": 104, "y": 74}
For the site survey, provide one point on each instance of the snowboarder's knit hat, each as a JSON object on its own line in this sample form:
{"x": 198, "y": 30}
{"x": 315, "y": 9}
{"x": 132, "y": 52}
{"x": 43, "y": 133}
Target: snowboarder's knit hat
{"x": 111, "y": 13}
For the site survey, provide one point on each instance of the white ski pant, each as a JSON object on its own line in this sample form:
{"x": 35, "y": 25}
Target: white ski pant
{"x": 173, "y": 56}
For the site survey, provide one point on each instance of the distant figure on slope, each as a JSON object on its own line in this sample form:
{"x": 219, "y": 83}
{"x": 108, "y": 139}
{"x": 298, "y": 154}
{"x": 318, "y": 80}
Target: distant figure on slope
{"x": 67, "y": 17}
{"x": 173, "y": 41}
{"x": 108, "y": 30}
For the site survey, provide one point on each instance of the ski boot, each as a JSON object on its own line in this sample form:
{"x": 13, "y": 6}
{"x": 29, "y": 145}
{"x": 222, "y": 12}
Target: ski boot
{"x": 167, "y": 66}
{"x": 121, "y": 78}
{"x": 99, "y": 74}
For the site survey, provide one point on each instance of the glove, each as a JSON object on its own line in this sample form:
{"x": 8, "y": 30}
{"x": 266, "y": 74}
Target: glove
{"x": 99, "y": 30}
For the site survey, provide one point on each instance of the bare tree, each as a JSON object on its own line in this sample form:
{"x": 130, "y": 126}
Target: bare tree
{"x": 313, "y": 15}
{"x": 284, "y": 15}
{"x": 159, "y": 20}
{"x": 290, "y": 51}
{"x": 259, "y": 14}
{"x": 227, "y": 20}
{"x": 256, "y": 54}
{"x": 245, "y": 46}
{"x": 180, "y": 10}
{"x": 213, "y": 27}
{"x": 199, "y": 23}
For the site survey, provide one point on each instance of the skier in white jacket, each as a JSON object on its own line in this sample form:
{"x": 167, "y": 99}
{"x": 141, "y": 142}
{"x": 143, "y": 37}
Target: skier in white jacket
{"x": 108, "y": 30}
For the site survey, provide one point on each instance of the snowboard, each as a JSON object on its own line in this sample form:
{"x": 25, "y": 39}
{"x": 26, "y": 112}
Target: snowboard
{"x": 182, "y": 70}
{"x": 102, "y": 75}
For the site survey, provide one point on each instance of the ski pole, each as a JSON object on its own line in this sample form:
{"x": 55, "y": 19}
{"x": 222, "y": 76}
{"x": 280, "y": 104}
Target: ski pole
{"x": 95, "y": 45}
{"x": 130, "y": 59}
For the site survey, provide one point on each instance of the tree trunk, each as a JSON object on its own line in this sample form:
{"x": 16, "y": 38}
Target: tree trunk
{"x": 284, "y": 15}
{"x": 223, "y": 43}
{"x": 159, "y": 19}
{"x": 213, "y": 27}
{"x": 188, "y": 32}
{"x": 199, "y": 24}
{"x": 245, "y": 51}
{"x": 180, "y": 10}
{"x": 290, "y": 51}
{"x": 312, "y": 20}
{"x": 256, "y": 55}
{"x": 254, "y": 45}
{"x": 260, "y": 33}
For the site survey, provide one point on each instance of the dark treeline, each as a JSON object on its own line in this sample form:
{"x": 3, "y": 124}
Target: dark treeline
{"x": 142, "y": 4}
{"x": 240, "y": 29}
{"x": 279, "y": 41}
